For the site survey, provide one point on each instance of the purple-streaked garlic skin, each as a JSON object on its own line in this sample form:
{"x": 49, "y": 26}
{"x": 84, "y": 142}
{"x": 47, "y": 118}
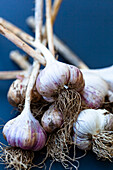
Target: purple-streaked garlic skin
{"x": 94, "y": 92}
{"x": 25, "y": 132}
{"x": 90, "y": 122}
{"x": 105, "y": 73}
{"x": 55, "y": 77}
{"x": 17, "y": 92}
{"x": 76, "y": 80}
{"x": 52, "y": 119}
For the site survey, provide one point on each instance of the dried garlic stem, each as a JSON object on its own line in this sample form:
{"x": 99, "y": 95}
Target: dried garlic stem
{"x": 54, "y": 12}
{"x": 49, "y": 26}
{"x": 19, "y": 43}
{"x": 31, "y": 83}
{"x": 55, "y": 9}
{"x": 17, "y": 31}
{"x": 5, "y": 75}
{"x": 19, "y": 59}
{"x": 38, "y": 20}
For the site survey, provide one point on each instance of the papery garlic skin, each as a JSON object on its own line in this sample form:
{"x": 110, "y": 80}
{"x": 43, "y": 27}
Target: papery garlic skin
{"x": 25, "y": 132}
{"x": 17, "y": 92}
{"x": 95, "y": 90}
{"x": 90, "y": 122}
{"x": 105, "y": 73}
{"x": 52, "y": 119}
{"x": 55, "y": 77}
{"x": 110, "y": 95}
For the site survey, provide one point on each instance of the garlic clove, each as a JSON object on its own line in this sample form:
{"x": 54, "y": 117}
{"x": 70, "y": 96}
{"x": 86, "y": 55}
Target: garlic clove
{"x": 89, "y": 123}
{"x": 93, "y": 95}
{"x": 52, "y": 119}
{"x": 25, "y": 132}
{"x": 76, "y": 80}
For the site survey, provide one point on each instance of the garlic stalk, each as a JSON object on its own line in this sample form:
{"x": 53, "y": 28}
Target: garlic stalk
{"x": 95, "y": 90}
{"x": 91, "y": 123}
{"x": 52, "y": 119}
{"x": 56, "y": 76}
{"x": 105, "y": 73}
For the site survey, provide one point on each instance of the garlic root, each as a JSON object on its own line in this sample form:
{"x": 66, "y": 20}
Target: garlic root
{"x": 16, "y": 158}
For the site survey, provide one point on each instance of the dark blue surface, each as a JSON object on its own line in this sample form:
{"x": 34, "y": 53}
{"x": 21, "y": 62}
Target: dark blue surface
{"x": 85, "y": 26}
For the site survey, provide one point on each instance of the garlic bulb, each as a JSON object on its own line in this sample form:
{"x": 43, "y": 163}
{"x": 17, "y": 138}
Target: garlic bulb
{"x": 25, "y": 132}
{"x": 17, "y": 92}
{"x": 95, "y": 90}
{"x": 104, "y": 73}
{"x": 51, "y": 119}
{"x": 56, "y": 75}
{"x": 89, "y": 123}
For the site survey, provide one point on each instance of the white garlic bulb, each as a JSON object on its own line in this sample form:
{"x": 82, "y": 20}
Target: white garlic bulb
{"x": 95, "y": 90}
{"x": 90, "y": 122}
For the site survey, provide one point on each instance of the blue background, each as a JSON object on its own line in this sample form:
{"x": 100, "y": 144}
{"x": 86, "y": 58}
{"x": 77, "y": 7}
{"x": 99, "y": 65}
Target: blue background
{"x": 86, "y": 26}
